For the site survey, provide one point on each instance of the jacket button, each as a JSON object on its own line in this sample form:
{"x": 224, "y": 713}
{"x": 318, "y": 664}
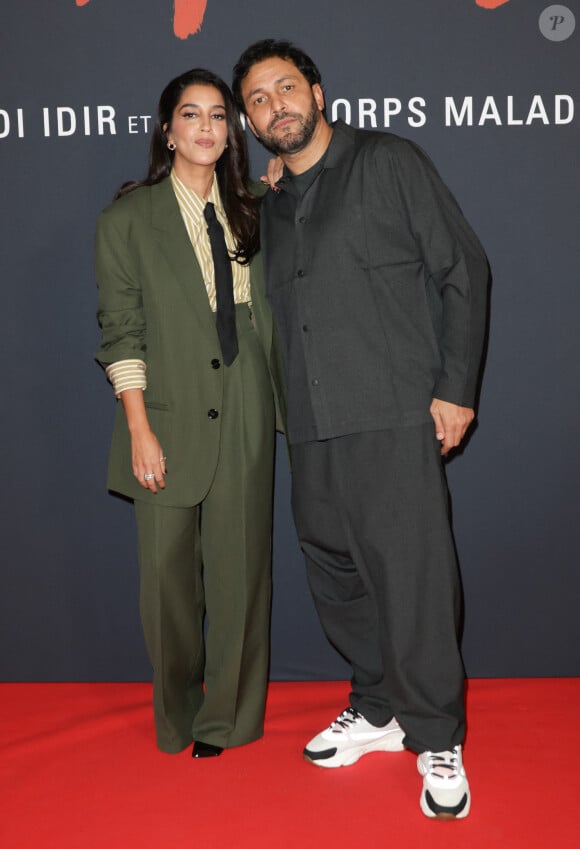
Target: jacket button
{"x": 212, "y": 414}
{"x": 300, "y": 272}
{"x": 215, "y": 364}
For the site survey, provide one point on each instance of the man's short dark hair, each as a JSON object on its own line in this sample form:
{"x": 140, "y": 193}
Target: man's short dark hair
{"x": 270, "y": 48}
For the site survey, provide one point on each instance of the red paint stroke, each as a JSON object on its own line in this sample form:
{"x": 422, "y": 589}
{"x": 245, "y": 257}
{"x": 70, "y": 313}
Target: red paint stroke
{"x": 188, "y": 17}
{"x": 491, "y": 4}
{"x": 188, "y": 14}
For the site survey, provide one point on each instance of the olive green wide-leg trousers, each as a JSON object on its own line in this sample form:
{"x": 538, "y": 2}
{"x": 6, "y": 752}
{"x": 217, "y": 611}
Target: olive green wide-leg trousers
{"x": 211, "y": 563}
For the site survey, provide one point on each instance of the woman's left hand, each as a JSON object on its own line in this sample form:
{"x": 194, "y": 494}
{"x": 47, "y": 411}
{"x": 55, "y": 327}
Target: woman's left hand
{"x": 274, "y": 172}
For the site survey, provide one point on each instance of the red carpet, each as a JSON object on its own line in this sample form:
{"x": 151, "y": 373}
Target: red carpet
{"x": 79, "y": 770}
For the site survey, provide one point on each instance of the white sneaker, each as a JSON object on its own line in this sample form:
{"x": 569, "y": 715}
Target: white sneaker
{"x": 445, "y": 792}
{"x": 349, "y": 737}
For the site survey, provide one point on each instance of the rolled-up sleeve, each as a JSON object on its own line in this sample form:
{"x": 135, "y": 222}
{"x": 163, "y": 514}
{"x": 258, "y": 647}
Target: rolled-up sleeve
{"x": 120, "y": 302}
{"x": 127, "y": 374}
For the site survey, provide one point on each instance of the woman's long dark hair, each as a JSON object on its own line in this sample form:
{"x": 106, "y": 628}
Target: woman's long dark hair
{"x": 241, "y": 207}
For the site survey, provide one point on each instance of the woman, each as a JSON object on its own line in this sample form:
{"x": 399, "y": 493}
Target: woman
{"x": 194, "y": 434}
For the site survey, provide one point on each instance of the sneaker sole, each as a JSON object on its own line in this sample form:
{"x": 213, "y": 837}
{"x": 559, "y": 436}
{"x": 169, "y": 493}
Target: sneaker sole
{"x": 347, "y": 757}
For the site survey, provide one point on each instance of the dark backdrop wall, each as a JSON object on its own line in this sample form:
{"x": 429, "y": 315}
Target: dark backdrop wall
{"x": 492, "y": 93}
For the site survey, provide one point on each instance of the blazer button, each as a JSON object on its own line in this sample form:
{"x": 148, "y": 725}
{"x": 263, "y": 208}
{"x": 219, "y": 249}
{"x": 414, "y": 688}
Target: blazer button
{"x": 215, "y": 364}
{"x": 300, "y": 272}
{"x": 212, "y": 414}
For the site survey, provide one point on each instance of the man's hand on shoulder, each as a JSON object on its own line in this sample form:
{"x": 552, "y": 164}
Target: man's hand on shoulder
{"x": 451, "y": 422}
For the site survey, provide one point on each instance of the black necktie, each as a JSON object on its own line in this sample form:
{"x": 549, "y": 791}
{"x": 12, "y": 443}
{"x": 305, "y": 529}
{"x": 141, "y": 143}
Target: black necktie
{"x": 224, "y": 287}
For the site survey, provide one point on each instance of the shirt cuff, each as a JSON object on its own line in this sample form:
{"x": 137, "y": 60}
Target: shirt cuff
{"x": 127, "y": 374}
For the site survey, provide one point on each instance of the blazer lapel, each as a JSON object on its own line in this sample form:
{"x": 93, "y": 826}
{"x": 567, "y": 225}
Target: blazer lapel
{"x": 176, "y": 248}
{"x": 259, "y": 303}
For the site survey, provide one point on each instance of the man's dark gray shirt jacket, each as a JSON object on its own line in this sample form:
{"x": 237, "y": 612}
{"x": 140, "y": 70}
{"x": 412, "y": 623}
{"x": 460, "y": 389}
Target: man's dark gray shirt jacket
{"x": 378, "y": 286}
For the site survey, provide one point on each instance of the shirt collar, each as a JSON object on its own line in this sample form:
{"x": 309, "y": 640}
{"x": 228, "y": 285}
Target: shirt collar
{"x": 342, "y": 138}
{"x": 193, "y": 202}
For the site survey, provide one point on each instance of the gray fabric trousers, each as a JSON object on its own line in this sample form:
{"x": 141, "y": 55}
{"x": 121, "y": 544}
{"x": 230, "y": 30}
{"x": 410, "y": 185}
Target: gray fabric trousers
{"x": 212, "y": 562}
{"x": 371, "y": 511}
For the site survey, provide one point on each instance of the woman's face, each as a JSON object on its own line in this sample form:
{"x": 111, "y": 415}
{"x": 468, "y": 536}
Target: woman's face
{"x": 198, "y": 127}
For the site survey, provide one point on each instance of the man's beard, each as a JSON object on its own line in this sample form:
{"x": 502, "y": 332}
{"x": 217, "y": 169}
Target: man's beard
{"x": 293, "y": 141}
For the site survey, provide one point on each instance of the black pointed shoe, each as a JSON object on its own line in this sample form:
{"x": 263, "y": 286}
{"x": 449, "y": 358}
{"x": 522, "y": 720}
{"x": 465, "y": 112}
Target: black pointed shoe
{"x": 205, "y": 750}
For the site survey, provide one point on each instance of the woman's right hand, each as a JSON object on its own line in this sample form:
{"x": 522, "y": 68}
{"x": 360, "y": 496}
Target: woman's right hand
{"x": 148, "y": 460}
{"x": 146, "y": 452}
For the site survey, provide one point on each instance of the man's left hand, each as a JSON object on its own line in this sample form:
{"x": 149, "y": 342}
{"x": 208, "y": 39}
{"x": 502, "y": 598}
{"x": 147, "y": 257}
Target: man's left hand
{"x": 451, "y": 422}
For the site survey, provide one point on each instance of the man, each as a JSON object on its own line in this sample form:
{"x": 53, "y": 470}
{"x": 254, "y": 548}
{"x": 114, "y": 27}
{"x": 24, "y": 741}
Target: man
{"x": 378, "y": 288}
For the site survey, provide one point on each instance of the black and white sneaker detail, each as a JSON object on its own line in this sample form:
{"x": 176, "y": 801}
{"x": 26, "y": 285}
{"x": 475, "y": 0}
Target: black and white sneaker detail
{"x": 350, "y": 737}
{"x": 445, "y": 793}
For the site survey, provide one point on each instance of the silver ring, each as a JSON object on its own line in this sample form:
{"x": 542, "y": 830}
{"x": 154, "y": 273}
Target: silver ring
{"x": 161, "y": 459}
{"x": 149, "y": 477}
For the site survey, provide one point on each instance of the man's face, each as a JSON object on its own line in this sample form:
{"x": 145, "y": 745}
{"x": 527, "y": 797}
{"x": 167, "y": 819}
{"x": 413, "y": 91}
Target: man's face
{"x": 283, "y": 109}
